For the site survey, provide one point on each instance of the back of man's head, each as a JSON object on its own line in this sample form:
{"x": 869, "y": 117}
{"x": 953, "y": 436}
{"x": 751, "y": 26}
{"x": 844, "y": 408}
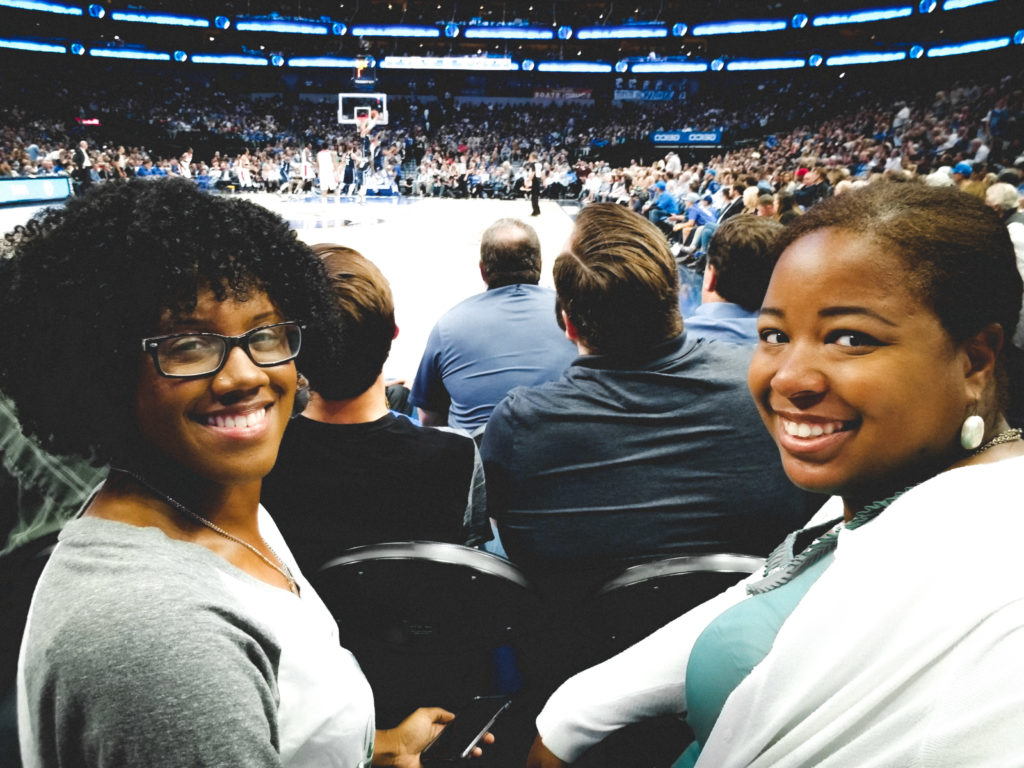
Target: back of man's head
{"x": 741, "y": 253}
{"x": 365, "y": 324}
{"x": 617, "y": 282}
{"x": 510, "y": 254}
{"x": 1002, "y": 197}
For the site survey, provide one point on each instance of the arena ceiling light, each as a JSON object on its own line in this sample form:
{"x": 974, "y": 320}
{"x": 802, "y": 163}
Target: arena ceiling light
{"x": 323, "y": 61}
{"x": 228, "y": 58}
{"x": 862, "y": 17}
{"x": 394, "y": 30}
{"x": 972, "y": 46}
{"x": 32, "y": 45}
{"x": 755, "y": 65}
{"x": 159, "y": 18}
{"x": 37, "y": 5}
{"x": 128, "y": 53}
{"x": 628, "y": 32}
{"x": 282, "y": 27}
{"x": 740, "y": 27}
{"x": 865, "y": 57}
{"x": 468, "y": 63}
{"x": 954, "y": 5}
{"x": 508, "y": 33}
{"x": 659, "y": 67}
{"x": 574, "y": 66}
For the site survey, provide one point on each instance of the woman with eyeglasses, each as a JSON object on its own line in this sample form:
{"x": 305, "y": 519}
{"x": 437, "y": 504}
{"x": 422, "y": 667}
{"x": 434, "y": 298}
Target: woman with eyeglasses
{"x": 154, "y": 328}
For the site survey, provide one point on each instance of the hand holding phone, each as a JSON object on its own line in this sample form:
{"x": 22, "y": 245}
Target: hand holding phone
{"x": 459, "y": 737}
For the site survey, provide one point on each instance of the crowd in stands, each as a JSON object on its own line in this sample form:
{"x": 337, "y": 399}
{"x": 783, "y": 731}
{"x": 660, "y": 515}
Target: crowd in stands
{"x": 839, "y": 129}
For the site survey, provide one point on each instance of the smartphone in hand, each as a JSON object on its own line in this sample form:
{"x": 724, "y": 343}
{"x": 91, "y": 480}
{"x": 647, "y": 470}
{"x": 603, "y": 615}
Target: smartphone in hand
{"x": 461, "y": 735}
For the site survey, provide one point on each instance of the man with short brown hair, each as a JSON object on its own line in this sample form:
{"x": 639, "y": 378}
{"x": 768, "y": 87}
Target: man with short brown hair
{"x": 649, "y": 445}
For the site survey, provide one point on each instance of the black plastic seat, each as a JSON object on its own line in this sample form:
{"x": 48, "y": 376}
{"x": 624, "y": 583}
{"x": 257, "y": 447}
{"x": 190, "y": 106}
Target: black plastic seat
{"x": 632, "y": 605}
{"x": 645, "y": 597}
{"x": 430, "y": 623}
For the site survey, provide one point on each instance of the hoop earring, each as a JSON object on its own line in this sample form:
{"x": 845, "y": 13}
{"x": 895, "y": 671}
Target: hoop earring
{"x": 972, "y": 432}
{"x": 301, "y": 395}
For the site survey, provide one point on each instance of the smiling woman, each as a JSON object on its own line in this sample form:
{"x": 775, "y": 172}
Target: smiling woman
{"x": 155, "y": 328}
{"x": 889, "y": 631}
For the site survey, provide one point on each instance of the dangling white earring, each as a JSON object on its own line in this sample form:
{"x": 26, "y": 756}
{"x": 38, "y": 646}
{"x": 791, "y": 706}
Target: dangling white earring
{"x": 972, "y": 432}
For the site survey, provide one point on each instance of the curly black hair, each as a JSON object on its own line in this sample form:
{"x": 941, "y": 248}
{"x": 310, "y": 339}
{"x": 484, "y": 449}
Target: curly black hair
{"x": 83, "y": 285}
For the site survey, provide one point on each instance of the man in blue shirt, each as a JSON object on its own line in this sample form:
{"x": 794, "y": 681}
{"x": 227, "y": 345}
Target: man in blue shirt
{"x": 701, "y": 219}
{"x": 663, "y": 204}
{"x": 496, "y": 340}
{"x": 739, "y": 265}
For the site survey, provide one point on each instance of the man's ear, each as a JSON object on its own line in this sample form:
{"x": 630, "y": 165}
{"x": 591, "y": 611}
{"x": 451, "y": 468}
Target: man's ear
{"x": 483, "y": 275}
{"x": 710, "y": 284}
{"x": 396, "y": 332}
{"x": 571, "y": 331}
{"x": 980, "y": 354}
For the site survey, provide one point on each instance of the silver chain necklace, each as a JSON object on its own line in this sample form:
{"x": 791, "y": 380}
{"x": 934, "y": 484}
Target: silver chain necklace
{"x": 283, "y": 568}
{"x": 1006, "y": 436}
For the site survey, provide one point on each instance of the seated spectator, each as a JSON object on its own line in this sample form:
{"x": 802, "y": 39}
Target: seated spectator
{"x": 739, "y": 266}
{"x": 661, "y": 206}
{"x": 766, "y": 205}
{"x": 649, "y": 444}
{"x": 734, "y": 201}
{"x": 352, "y": 472}
{"x": 702, "y": 220}
{"x": 813, "y": 187}
{"x": 786, "y": 208}
{"x": 1005, "y": 200}
{"x": 494, "y": 341}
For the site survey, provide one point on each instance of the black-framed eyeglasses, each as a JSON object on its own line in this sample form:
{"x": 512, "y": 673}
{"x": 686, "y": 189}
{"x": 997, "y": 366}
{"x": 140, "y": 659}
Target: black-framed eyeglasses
{"x": 192, "y": 355}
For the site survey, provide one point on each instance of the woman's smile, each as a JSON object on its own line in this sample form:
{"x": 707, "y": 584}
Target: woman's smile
{"x": 238, "y": 422}
{"x": 813, "y": 437}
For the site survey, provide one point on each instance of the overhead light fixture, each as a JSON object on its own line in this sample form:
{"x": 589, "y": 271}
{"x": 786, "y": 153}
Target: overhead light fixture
{"x": 973, "y": 46}
{"x": 508, "y": 33}
{"x": 323, "y": 61}
{"x": 754, "y": 65}
{"x": 862, "y": 17}
{"x": 865, "y": 57}
{"x": 574, "y": 66}
{"x": 38, "y": 5}
{"x": 740, "y": 27}
{"x": 31, "y": 45}
{"x": 627, "y": 32}
{"x": 228, "y": 58}
{"x": 665, "y": 67}
{"x": 129, "y": 53}
{"x": 281, "y": 27}
{"x": 159, "y": 18}
{"x": 396, "y": 30}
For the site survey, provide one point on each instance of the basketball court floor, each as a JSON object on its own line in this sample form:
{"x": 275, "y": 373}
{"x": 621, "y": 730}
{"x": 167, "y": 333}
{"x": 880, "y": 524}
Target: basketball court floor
{"x": 428, "y": 248}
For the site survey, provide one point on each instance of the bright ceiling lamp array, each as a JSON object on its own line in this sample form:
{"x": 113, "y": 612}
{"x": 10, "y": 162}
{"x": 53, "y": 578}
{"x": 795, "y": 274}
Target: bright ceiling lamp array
{"x": 647, "y": 65}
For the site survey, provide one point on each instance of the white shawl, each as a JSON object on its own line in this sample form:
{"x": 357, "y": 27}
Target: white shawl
{"x": 908, "y": 651}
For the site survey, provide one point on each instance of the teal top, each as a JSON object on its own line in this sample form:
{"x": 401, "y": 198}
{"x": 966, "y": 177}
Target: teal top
{"x": 732, "y": 645}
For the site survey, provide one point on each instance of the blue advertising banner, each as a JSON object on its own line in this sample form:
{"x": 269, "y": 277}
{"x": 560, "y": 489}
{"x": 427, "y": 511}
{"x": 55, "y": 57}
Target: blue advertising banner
{"x": 686, "y": 138}
{"x": 635, "y": 95}
{"x": 15, "y": 190}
